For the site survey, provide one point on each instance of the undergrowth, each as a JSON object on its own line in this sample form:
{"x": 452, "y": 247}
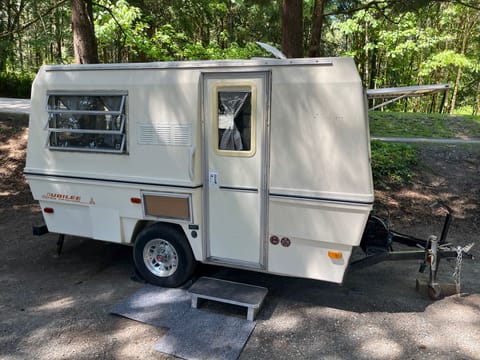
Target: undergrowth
{"x": 16, "y": 85}
{"x": 393, "y": 165}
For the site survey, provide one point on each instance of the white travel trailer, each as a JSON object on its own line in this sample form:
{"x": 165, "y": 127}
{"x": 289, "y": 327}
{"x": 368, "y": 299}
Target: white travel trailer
{"x": 257, "y": 164}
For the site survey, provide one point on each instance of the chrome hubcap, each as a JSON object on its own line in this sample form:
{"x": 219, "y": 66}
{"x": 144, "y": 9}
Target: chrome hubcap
{"x": 160, "y": 257}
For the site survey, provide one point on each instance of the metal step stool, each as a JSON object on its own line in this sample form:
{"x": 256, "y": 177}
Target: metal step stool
{"x": 229, "y": 292}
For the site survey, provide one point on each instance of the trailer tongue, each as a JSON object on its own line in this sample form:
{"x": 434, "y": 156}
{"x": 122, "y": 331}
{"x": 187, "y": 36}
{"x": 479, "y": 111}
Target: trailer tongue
{"x": 377, "y": 243}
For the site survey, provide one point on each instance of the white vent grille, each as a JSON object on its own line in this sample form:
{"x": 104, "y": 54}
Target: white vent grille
{"x": 181, "y": 135}
{"x": 164, "y": 134}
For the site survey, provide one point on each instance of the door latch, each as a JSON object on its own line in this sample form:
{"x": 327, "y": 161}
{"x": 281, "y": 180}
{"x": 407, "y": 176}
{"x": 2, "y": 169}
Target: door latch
{"x": 213, "y": 178}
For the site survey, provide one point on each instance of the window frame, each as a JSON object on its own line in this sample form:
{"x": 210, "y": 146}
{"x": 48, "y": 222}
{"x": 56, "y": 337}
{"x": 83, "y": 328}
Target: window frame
{"x": 235, "y": 86}
{"x": 122, "y": 112}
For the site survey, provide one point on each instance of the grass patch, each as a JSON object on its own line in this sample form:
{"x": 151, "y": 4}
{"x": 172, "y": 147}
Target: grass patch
{"x": 392, "y": 164}
{"x": 437, "y": 126}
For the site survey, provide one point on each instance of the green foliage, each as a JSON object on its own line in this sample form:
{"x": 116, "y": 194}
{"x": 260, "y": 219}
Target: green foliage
{"x": 16, "y": 84}
{"x": 433, "y": 44}
{"x": 392, "y": 164}
{"x": 445, "y": 59}
{"x": 394, "y": 43}
{"x": 126, "y": 33}
{"x": 214, "y": 51}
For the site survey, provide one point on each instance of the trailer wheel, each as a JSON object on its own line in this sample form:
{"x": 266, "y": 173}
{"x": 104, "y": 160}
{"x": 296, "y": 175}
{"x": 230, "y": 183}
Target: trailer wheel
{"x": 163, "y": 256}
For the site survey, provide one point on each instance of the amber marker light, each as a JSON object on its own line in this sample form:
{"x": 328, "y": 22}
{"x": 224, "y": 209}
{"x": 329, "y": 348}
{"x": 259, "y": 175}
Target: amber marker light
{"x": 135, "y": 200}
{"x": 336, "y": 255}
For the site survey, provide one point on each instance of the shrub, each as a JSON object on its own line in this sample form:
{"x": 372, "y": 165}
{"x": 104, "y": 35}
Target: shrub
{"x": 14, "y": 84}
{"x": 392, "y": 164}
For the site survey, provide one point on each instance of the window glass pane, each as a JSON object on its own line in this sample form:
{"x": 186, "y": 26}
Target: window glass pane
{"x": 234, "y": 120}
{"x": 79, "y": 141}
{"x": 87, "y": 123}
{"x": 85, "y": 103}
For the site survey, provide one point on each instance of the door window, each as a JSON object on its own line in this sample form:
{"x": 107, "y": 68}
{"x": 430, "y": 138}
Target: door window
{"x": 234, "y": 117}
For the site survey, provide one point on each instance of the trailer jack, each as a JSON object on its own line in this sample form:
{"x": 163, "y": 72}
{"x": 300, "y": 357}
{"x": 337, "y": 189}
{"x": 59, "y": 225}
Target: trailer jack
{"x": 60, "y": 241}
{"x": 39, "y": 230}
{"x": 377, "y": 243}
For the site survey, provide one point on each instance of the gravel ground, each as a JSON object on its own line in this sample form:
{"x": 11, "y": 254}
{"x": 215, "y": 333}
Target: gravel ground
{"x": 57, "y": 307}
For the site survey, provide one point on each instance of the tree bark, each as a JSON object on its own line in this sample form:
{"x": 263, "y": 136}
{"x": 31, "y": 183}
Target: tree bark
{"x": 292, "y": 28}
{"x": 316, "y": 29}
{"x": 476, "y": 106}
{"x": 469, "y": 24}
{"x": 84, "y": 40}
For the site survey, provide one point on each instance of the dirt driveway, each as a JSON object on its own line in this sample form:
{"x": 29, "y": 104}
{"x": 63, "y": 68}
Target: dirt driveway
{"x": 57, "y": 307}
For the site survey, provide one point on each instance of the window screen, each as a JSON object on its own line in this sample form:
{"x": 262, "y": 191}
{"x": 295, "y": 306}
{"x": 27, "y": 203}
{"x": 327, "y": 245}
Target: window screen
{"x": 235, "y": 121}
{"x": 84, "y": 122}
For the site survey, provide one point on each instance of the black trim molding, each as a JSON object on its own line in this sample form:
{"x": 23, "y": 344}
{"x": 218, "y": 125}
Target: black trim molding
{"x": 234, "y": 188}
{"x": 313, "y": 198}
{"x": 113, "y": 180}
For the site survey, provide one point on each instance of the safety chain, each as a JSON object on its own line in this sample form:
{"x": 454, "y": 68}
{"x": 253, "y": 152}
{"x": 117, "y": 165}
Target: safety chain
{"x": 457, "y": 274}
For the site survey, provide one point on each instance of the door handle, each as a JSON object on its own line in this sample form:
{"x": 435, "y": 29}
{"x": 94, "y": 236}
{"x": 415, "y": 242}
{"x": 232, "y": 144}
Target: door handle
{"x": 213, "y": 179}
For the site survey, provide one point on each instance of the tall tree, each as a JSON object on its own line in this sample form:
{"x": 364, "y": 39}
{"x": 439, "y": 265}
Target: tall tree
{"x": 10, "y": 14}
{"x": 316, "y": 28}
{"x": 84, "y": 40}
{"x": 292, "y": 28}
{"x": 467, "y": 25}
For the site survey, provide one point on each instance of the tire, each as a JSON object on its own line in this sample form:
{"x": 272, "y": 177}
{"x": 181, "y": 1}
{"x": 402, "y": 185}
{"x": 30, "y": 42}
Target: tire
{"x": 162, "y": 256}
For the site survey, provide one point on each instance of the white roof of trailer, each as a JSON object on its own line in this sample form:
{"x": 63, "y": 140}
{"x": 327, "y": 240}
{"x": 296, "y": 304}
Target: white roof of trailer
{"x": 197, "y": 64}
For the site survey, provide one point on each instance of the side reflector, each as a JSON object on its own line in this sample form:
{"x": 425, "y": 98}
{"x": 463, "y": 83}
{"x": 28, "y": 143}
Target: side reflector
{"x": 335, "y": 255}
{"x": 48, "y": 210}
{"x": 135, "y": 200}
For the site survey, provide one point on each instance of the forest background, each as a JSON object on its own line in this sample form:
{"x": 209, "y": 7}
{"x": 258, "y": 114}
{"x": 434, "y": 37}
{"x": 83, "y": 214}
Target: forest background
{"x": 394, "y": 43}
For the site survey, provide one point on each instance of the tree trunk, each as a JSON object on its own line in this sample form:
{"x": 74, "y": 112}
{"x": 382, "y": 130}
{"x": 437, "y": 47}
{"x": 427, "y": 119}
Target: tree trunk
{"x": 13, "y": 11}
{"x": 292, "y": 28}
{"x": 476, "y": 107}
{"x": 470, "y": 22}
{"x": 316, "y": 29}
{"x": 455, "y": 90}
{"x": 84, "y": 41}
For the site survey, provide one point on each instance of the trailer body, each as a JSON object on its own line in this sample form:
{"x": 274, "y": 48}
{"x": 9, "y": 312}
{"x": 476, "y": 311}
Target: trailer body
{"x": 257, "y": 164}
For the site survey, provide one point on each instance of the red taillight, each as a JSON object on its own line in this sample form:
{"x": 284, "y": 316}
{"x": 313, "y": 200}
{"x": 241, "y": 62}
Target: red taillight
{"x": 274, "y": 240}
{"x": 285, "y": 242}
{"x": 135, "y": 200}
{"x": 48, "y": 210}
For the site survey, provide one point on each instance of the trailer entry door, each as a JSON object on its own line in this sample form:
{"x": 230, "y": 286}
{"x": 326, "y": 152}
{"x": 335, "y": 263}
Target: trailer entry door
{"x": 235, "y": 115}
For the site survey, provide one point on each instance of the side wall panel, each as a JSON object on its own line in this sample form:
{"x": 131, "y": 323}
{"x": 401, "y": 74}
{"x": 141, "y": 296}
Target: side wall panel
{"x": 321, "y": 188}
{"x": 319, "y": 133}
{"x": 156, "y": 98}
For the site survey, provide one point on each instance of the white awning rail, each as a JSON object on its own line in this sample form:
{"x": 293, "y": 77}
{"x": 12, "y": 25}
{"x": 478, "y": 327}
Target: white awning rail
{"x": 398, "y": 93}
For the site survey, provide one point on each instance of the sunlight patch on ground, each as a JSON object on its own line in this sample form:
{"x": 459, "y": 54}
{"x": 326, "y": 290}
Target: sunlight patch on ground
{"x": 285, "y": 322}
{"x": 56, "y": 305}
{"x": 381, "y": 349}
{"x": 9, "y": 193}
